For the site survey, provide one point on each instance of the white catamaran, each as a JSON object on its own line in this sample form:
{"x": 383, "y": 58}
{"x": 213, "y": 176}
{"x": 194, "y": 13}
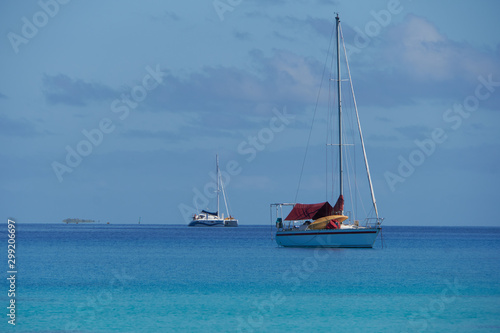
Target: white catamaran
{"x": 320, "y": 224}
{"x": 213, "y": 219}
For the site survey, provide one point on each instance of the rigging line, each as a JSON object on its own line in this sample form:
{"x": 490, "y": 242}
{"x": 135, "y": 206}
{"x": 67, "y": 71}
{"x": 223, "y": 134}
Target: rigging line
{"x": 370, "y": 212}
{"x": 357, "y": 196}
{"x": 328, "y": 118}
{"x": 329, "y": 144}
{"x": 335, "y": 171}
{"x": 328, "y": 139}
{"x": 347, "y": 159}
{"x": 355, "y": 165}
{"x": 314, "y": 116}
{"x": 218, "y": 181}
{"x": 333, "y": 156}
{"x": 359, "y": 127}
{"x": 328, "y": 179}
{"x": 358, "y": 199}
{"x": 351, "y": 168}
{"x": 223, "y": 194}
{"x": 351, "y": 158}
{"x": 225, "y": 201}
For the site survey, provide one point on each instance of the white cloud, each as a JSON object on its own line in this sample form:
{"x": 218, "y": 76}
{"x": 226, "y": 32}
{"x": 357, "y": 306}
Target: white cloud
{"x": 419, "y": 49}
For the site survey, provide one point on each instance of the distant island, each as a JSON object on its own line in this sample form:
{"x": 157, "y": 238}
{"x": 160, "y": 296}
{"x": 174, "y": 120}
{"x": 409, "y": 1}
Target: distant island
{"x": 77, "y": 221}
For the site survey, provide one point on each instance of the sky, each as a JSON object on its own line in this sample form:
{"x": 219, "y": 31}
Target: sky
{"x": 115, "y": 110}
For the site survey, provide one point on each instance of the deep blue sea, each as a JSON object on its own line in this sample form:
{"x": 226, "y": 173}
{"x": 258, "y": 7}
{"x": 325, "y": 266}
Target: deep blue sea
{"x": 164, "y": 278}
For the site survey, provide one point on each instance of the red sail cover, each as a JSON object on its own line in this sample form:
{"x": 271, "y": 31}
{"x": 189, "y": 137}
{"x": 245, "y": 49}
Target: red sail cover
{"x": 339, "y": 206}
{"x": 310, "y": 211}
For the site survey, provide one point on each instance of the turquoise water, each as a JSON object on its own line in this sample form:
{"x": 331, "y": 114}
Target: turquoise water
{"x": 158, "y": 278}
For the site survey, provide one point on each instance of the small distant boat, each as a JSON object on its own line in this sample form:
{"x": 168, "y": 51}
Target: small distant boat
{"x": 213, "y": 219}
{"x": 320, "y": 224}
{"x": 76, "y": 221}
{"x": 207, "y": 219}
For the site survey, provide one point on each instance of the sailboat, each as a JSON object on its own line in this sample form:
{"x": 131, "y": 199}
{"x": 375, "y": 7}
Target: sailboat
{"x": 213, "y": 219}
{"x": 321, "y": 224}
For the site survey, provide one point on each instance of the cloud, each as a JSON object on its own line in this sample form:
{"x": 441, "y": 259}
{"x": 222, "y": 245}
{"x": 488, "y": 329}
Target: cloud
{"x": 319, "y": 26}
{"x": 217, "y": 102}
{"x": 17, "y": 128}
{"x": 166, "y": 17}
{"x": 281, "y": 79}
{"x": 290, "y": 27}
{"x": 407, "y": 62}
{"x": 61, "y": 89}
{"x": 419, "y": 49}
{"x": 412, "y": 60}
{"x": 242, "y": 36}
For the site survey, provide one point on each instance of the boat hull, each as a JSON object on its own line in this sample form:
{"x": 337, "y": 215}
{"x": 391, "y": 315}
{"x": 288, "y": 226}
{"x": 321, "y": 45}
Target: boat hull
{"x": 206, "y": 223}
{"x": 338, "y": 238}
{"x": 231, "y": 223}
{"x": 213, "y": 223}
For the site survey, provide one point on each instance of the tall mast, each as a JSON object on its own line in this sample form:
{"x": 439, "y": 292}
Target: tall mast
{"x": 218, "y": 181}
{"x": 340, "y": 106}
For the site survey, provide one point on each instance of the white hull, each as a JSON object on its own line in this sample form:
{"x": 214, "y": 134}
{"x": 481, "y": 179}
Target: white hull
{"x": 355, "y": 238}
{"x": 213, "y": 223}
{"x": 206, "y": 223}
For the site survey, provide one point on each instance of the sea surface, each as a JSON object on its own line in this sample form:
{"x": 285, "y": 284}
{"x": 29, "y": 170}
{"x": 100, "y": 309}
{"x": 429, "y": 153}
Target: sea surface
{"x": 171, "y": 278}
